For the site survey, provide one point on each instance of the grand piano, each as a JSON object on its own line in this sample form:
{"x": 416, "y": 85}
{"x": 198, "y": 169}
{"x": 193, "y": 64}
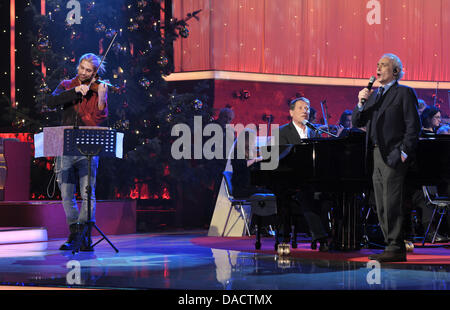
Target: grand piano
{"x": 338, "y": 166}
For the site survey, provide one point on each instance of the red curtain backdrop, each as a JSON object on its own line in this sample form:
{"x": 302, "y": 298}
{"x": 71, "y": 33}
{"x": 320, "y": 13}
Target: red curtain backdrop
{"x": 330, "y": 38}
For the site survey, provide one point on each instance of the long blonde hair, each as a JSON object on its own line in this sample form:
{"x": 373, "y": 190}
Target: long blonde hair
{"x": 95, "y": 61}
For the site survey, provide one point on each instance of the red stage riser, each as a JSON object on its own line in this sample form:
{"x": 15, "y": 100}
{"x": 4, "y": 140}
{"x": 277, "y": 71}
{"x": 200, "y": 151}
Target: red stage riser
{"x": 112, "y": 217}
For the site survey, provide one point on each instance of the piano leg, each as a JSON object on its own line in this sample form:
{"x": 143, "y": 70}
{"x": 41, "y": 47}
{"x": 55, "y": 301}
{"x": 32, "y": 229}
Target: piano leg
{"x": 277, "y": 236}
{"x": 345, "y": 228}
{"x": 258, "y": 232}
{"x": 294, "y": 234}
{"x": 284, "y": 232}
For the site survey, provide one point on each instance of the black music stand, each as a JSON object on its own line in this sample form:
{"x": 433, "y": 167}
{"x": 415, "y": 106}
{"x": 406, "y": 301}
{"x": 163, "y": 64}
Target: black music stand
{"x": 90, "y": 143}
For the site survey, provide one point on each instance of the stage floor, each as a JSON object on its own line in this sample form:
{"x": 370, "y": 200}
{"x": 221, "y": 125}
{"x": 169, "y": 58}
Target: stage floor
{"x": 193, "y": 261}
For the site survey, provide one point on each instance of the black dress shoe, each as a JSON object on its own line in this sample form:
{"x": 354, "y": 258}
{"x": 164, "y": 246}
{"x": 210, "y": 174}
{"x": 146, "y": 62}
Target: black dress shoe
{"x": 323, "y": 245}
{"x": 391, "y": 256}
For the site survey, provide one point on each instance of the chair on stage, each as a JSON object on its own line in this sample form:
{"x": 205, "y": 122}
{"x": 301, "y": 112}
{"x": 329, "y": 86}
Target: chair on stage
{"x": 440, "y": 205}
{"x": 262, "y": 204}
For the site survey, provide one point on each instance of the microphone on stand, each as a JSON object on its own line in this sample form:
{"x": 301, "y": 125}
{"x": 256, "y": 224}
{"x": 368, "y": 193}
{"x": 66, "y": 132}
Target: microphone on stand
{"x": 369, "y": 86}
{"x": 309, "y": 125}
{"x": 269, "y": 119}
{"x": 312, "y": 127}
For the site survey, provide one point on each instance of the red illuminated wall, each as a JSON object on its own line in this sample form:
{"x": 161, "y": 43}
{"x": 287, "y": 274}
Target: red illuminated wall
{"x": 272, "y": 98}
{"x": 331, "y": 38}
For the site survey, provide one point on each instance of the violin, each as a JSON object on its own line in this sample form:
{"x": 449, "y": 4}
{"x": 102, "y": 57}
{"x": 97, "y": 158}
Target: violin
{"x": 93, "y": 86}
{"x": 334, "y": 129}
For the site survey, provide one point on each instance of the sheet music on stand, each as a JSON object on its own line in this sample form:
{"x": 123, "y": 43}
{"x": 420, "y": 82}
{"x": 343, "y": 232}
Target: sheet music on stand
{"x": 64, "y": 140}
{"x": 104, "y": 143}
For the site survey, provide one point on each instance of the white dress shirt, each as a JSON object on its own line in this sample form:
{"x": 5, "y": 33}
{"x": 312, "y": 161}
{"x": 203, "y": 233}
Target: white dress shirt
{"x": 302, "y": 133}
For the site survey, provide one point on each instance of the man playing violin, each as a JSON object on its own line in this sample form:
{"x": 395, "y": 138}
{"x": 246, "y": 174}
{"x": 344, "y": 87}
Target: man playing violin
{"x": 82, "y": 105}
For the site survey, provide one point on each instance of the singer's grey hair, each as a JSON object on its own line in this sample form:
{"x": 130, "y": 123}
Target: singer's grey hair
{"x": 396, "y": 63}
{"x": 292, "y": 103}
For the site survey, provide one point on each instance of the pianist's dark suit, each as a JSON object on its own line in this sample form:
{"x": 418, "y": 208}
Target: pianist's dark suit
{"x": 302, "y": 200}
{"x": 397, "y": 128}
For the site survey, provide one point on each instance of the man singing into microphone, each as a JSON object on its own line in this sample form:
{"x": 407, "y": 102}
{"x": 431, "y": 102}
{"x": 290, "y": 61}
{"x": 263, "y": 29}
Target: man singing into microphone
{"x": 392, "y": 131}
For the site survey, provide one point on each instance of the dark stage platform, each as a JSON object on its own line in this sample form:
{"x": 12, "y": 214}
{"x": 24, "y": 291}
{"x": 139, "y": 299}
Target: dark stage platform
{"x": 189, "y": 260}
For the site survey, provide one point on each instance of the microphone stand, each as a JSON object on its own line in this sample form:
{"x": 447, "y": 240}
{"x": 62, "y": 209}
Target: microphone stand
{"x": 269, "y": 119}
{"x": 324, "y": 113}
{"x": 312, "y": 127}
{"x": 325, "y": 132}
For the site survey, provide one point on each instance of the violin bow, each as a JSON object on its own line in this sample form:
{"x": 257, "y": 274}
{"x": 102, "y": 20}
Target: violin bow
{"x": 104, "y": 56}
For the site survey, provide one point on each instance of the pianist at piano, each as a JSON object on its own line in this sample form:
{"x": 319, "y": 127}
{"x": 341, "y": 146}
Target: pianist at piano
{"x": 293, "y": 202}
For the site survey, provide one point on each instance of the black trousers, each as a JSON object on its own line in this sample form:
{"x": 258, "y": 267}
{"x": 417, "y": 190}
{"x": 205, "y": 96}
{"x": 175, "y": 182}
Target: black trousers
{"x": 295, "y": 203}
{"x": 388, "y": 185}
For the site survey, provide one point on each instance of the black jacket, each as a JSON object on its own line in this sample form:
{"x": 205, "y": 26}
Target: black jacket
{"x": 289, "y": 135}
{"x": 397, "y": 123}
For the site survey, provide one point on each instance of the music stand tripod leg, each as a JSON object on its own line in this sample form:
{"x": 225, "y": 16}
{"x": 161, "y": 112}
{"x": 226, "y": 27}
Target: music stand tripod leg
{"x": 104, "y": 238}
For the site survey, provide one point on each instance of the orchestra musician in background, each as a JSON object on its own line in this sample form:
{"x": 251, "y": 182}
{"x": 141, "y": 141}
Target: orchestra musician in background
{"x": 243, "y": 161}
{"x": 342, "y": 129}
{"x": 431, "y": 120}
{"x": 422, "y": 106}
{"x": 346, "y": 119}
{"x": 431, "y": 125}
{"x": 393, "y": 126}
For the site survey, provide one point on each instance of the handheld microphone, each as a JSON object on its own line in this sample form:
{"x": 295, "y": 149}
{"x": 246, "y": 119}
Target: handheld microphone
{"x": 369, "y": 86}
